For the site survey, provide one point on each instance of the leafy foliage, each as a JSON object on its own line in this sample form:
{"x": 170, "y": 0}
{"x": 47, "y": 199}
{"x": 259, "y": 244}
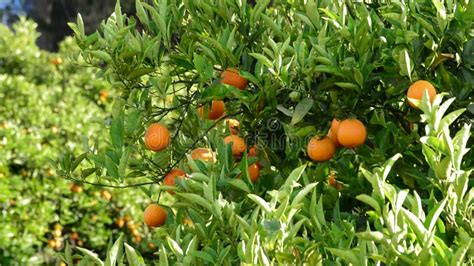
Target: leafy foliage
{"x": 47, "y": 109}
{"x": 307, "y": 62}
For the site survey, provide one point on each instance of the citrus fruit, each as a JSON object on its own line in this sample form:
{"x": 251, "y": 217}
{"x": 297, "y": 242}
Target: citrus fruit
{"x": 157, "y": 137}
{"x": 335, "y": 125}
{"x": 154, "y": 215}
{"x": 170, "y": 178}
{"x": 56, "y": 61}
{"x": 232, "y": 77}
{"x": 351, "y": 133}
{"x": 75, "y": 188}
{"x": 254, "y": 172}
{"x": 417, "y": 89}
{"x": 106, "y": 195}
{"x": 253, "y": 151}
{"x": 203, "y": 154}
{"x": 238, "y": 144}
{"x": 216, "y": 110}
{"x": 333, "y": 137}
{"x": 332, "y": 181}
{"x": 320, "y": 150}
{"x": 233, "y": 126}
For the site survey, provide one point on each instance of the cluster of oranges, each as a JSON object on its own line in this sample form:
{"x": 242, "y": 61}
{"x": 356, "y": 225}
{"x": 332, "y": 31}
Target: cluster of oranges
{"x": 216, "y": 109}
{"x": 349, "y": 133}
{"x": 157, "y": 138}
{"x": 57, "y": 242}
{"x": 131, "y": 226}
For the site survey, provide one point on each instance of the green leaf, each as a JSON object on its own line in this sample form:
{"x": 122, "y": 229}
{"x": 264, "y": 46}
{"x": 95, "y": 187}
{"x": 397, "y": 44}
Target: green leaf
{"x": 101, "y": 55}
{"x": 203, "y": 67}
{"x": 111, "y": 167}
{"x": 141, "y": 13}
{"x": 78, "y": 160}
{"x": 449, "y": 119}
{"x": 405, "y": 63}
{"x": 262, "y": 59}
{"x": 347, "y": 255}
{"x": 460, "y": 254}
{"x": 348, "y": 86}
{"x": 293, "y": 178}
{"x": 114, "y": 252}
{"x": 371, "y": 236}
{"x": 312, "y": 12}
{"x": 202, "y": 255}
{"x": 139, "y": 72}
{"x": 124, "y": 162}
{"x": 260, "y": 202}
{"x": 302, "y": 194}
{"x": 80, "y": 26}
{"x": 68, "y": 254}
{"x": 274, "y": 26}
{"x": 163, "y": 261}
{"x": 132, "y": 257}
{"x": 416, "y": 225}
{"x": 196, "y": 199}
{"x": 369, "y": 201}
{"x": 117, "y": 132}
{"x": 174, "y": 247}
{"x": 239, "y": 184}
{"x": 93, "y": 256}
{"x": 434, "y": 214}
{"x": 301, "y": 109}
{"x": 88, "y": 171}
{"x": 387, "y": 167}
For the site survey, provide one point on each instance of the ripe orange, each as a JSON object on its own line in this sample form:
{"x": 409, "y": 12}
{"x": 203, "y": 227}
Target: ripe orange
{"x": 57, "y": 232}
{"x": 106, "y": 195}
{"x": 320, "y": 150}
{"x": 418, "y": 88}
{"x": 332, "y": 133}
{"x": 169, "y": 179}
{"x": 75, "y": 188}
{"x": 333, "y": 137}
{"x": 103, "y": 95}
{"x": 135, "y": 232}
{"x": 215, "y": 112}
{"x": 335, "y": 125}
{"x": 157, "y": 137}
{"x": 56, "y": 61}
{"x": 253, "y": 151}
{"x": 119, "y": 222}
{"x": 203, "y": 154}
{"x": 233, "y": 126}
{"x": 154, "y": 215}
{"x": 52, "y": 243}
{"x": 351, "y": 133}
{"x": 232, "y": 77}
{"x": 254, "y": 172}
{"x": 74, "y": 236}
{"x": 238, "y": 144}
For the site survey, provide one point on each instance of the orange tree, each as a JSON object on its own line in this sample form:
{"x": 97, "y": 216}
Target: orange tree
{"x": 284, "y": 70}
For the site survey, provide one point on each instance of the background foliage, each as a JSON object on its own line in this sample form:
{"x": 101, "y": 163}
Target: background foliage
{"x": 45, "y": 109}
